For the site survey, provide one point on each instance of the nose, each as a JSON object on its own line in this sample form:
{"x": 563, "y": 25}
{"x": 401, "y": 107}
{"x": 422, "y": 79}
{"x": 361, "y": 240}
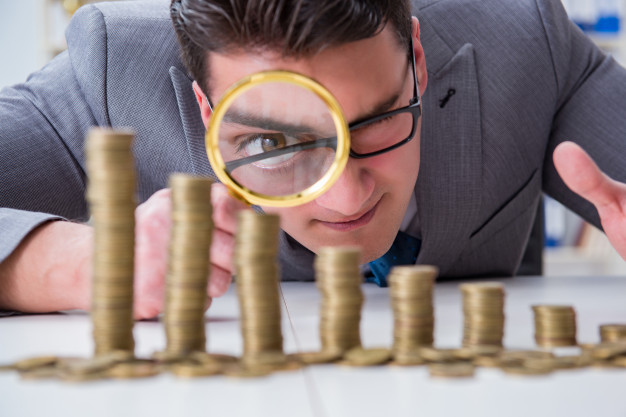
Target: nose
{"x": 351, "y": 192}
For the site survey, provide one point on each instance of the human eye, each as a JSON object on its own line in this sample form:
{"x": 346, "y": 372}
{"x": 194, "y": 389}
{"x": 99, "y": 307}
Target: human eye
{"x": 260, "y": 143}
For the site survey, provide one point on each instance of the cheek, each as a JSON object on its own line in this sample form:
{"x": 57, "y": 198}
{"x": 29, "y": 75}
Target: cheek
{"x": 290, "y": 217}
{"x": 398, "y": 167}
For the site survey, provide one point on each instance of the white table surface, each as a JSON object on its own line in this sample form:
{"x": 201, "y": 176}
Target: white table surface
{"x": 329, "y": 390}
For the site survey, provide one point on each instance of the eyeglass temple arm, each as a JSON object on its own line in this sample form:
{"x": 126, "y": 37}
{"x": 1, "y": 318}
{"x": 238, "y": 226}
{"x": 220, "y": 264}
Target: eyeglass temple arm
{"x": 416, "y": 93}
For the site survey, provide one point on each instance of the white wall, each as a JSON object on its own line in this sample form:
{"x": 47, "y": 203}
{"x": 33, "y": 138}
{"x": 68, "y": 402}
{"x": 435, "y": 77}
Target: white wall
{"x": 21, "y": 32}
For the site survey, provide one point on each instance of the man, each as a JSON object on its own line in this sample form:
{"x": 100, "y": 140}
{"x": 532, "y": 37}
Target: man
{"x": 507, "y": 81}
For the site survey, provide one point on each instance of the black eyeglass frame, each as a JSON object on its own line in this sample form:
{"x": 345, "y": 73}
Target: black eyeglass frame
{"x": 414, "y": 107}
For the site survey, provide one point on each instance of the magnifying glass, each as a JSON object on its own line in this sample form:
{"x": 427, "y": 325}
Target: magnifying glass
{"x": 278, "y": 138}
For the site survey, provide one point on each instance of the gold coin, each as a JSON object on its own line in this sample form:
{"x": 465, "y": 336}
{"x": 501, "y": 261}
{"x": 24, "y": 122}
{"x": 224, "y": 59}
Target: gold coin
{"x": 186, "y": 370}
{"x": 34, "y": 363}
{"x": 525, "y": 371}
{"x": 319, "y": 357}
{"x": 239, "y": 371}
{"x": 432, "y": 354}
{"x": 408, "y": 357}
{"x": 45, "y": 372}
{"x": 131, "y": 370}
{"x": 367, "y": 357}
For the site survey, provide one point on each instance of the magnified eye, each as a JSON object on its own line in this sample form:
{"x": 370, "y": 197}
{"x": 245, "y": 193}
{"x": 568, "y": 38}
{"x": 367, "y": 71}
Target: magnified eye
{"x": 259, "y": 143}
{"x": 270, "y": 142}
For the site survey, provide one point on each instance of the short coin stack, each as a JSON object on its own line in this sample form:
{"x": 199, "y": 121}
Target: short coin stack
{"x": 257, "y": 276}
{"x": 187, "y": 278}
{"x": 483, "y": 310}
{"x": 613, "y": 333}
{"x": 411, "y": 291}
{"x": 339, "y": 279}
{"x": 555, "y": 325}
{"x": 111, "y": 196}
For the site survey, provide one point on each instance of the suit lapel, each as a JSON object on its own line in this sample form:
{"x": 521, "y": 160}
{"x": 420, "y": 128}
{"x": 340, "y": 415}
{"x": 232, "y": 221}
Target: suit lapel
{"x": 192, "y": 123}
{"x": 449, "y": 184}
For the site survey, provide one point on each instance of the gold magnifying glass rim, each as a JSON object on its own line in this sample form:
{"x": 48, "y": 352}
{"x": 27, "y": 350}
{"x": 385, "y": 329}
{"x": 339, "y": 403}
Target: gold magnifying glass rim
{"x": 312, "y": 192}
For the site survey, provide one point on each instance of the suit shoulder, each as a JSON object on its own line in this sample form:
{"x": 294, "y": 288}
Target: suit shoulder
{"x": 498, "y": 12}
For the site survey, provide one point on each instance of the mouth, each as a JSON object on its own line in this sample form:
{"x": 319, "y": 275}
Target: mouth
{"x": 346, "y": 226}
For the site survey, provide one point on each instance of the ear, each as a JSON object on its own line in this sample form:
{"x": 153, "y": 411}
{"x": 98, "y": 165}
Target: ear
{"x": 203, "y": 103}
{"x": 420, "y": 58}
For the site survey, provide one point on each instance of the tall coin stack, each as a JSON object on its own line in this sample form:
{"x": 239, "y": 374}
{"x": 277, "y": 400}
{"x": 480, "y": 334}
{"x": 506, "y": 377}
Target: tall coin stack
{"x": 411, "y": 291}
{"x": 187, "y": 278}
{"x": 111, "y": 197}
{"x": 339, "y": 279}
{"x": 483, "y": 310}
{"x": 613, "y": 333}
{"x": 257, "y": 279}
{"x": 555, "y": 325}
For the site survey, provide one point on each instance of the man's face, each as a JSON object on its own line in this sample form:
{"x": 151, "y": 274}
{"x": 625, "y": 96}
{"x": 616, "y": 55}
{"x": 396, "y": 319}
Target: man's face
{"x": 365, "y": 207}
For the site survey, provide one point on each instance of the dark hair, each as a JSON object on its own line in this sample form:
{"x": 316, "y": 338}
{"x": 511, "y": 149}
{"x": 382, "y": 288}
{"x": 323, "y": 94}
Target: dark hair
{"x": 294, "y": 27}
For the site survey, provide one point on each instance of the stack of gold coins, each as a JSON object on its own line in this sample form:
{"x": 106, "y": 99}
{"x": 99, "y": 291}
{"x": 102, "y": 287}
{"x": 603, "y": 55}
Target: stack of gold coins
{"x": 613, "y": 333}
{"x": 187, "y": 278}
{"x": 411, "y": 291}
{"x": 257, "y": 279}
{"x": 111, "y": 196}
{"x": 555, "y": 325}
{"x": 339, "y": 279}
{"x": 483, "y": 310}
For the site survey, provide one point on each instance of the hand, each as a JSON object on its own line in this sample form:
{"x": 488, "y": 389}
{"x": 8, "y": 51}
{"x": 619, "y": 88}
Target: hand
{"x": 583, "y": 176}
{"x": 152, "y": 235}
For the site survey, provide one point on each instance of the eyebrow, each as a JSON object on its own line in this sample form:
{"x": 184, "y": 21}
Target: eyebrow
{"x": 381, "y": 107}
{"x": 246, "y": 119}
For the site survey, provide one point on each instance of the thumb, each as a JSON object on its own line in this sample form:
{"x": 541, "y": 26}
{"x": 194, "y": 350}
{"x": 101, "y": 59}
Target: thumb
{"x": 581, "y": 174}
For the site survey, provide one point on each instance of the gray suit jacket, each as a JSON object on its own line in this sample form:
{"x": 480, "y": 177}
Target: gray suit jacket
{"x": 525, "y": 79}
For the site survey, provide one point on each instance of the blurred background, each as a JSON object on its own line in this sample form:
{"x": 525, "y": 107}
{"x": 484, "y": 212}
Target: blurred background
{"x": 31, "y": 33}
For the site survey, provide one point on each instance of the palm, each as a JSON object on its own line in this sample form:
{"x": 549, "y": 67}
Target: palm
{"x": 583, "y": 176}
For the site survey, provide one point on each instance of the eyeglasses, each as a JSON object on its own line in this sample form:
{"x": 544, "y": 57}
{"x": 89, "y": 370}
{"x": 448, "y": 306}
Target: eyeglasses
{"x": 387, "y": 131}
{"x": 369, "y": 137}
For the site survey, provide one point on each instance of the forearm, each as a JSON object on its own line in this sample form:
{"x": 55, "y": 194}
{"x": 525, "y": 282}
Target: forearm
{"x": 49, "y": 270}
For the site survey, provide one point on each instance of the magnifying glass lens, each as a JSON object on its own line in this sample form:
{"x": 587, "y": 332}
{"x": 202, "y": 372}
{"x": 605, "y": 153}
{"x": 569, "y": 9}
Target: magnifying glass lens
{"x": 277, "y": 139}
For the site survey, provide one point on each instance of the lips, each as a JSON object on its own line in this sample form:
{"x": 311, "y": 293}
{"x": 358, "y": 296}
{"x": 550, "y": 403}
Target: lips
{"x": 352, "y": 224}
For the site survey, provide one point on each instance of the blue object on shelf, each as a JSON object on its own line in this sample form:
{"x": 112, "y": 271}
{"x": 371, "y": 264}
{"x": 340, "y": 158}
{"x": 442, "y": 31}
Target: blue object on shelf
{"x": 607, "y": 24}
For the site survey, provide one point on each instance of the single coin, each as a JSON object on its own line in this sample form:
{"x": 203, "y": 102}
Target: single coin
{"x": 311, "y": 358}
{"x": 522, "y": 370}
{"x": 209, "y": 358}
{"x": 608, "y": 350}
{"x": 239, "y": 371}
{"x": 367, "y": 357}
{"x": 87, "y": 366}
{"x": 45, "y": 372}
{"x": 131, "y": 370}
{"x": 80, "y": 378}
{"x": 186, "y": 370}
{"x": 33, "y": 363}
{"x": 451, "y": 370}
{"x": 432, "y": 354}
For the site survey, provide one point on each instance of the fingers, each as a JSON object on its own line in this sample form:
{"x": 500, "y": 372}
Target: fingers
{"x": 582, "y": 175}
{"x": 219, "y": 281}
{"x": 222, "y": 249}
{"x": 225, "y": 208}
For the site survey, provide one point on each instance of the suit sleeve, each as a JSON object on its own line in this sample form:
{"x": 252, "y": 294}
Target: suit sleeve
{"x": 591, "y": 105}
{"x": 43, "y": 123}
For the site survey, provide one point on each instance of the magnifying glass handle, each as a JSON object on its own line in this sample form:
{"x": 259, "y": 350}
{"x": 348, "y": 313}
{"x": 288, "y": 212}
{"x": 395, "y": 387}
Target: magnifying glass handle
{"x": 234, "y": 194}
